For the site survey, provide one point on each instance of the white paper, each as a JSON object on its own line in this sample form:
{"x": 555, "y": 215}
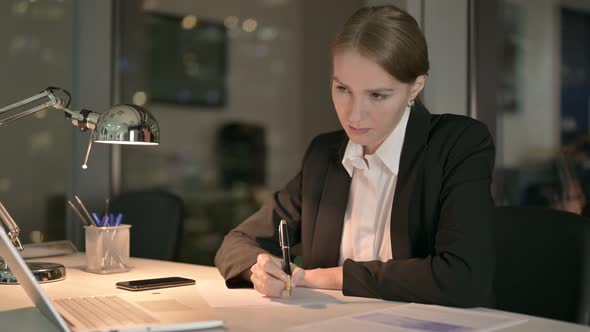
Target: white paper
{"x": 219, "y": 296}
{"x": 415, "y": 318}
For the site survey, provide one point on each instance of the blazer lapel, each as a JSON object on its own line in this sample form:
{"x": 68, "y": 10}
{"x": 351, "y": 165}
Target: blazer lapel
{"x": 327, "y": 236}
{"x": 330, "y": 218}
{"x": 402, "y": 225}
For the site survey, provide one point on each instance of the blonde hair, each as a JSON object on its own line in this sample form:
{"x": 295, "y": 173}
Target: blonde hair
{"x": 388, "y": 35}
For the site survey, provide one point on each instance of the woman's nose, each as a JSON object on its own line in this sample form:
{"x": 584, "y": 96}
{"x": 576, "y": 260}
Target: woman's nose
{"x": 356, "y": 112}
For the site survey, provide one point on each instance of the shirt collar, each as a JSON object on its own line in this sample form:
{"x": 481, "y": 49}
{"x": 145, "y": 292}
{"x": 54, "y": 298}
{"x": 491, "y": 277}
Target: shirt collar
{"x": 389, "y": 152}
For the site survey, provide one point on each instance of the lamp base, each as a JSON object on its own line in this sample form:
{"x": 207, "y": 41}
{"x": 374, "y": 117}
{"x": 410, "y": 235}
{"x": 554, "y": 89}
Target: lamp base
{"x": 43, "y": 272}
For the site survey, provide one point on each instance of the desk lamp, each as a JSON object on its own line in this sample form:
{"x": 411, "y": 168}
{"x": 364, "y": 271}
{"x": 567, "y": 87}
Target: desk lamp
{"x": 122, "y": 124}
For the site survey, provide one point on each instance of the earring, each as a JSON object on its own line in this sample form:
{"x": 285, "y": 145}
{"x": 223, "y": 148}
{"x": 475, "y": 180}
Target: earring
{"x": 411, "y": 103}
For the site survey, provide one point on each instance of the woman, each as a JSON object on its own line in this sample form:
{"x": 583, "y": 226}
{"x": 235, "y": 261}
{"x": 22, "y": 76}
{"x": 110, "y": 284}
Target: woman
{"x": 397, "y": 206}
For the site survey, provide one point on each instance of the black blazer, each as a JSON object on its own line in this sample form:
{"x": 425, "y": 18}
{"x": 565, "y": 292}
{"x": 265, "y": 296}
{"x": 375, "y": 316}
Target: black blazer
{"x": 440, "y": 220}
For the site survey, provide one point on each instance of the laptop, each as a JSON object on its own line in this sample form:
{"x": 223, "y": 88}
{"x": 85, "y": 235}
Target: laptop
{"x": 105, "y": 313}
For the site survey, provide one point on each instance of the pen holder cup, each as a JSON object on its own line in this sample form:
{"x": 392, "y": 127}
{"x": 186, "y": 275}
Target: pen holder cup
{"x": 107, "y": 249}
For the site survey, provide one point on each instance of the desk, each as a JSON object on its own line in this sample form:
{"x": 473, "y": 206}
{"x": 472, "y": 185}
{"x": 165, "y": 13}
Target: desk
{"x": 17, "y": 312}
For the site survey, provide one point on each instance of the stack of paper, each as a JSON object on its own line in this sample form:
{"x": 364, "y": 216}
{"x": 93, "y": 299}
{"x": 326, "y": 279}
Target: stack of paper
{"x": 415, "y": 318}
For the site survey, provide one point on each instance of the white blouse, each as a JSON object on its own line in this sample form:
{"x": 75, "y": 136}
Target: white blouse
{"x": 366, "y": 235}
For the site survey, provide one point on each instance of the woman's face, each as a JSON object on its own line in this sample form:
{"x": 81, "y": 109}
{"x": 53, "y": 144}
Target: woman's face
{"x": 368, "y": 100}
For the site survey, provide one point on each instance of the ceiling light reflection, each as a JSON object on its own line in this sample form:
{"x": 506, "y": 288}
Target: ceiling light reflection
{"x": 189, "y": 22}
{"x": 249, "y": 25}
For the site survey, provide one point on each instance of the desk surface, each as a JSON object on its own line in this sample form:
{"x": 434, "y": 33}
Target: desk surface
{"x": 17, "y": 312}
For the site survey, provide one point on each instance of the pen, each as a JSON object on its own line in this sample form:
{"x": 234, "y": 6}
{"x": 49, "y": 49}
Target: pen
{"x": 96, "y": 219}
{"x": 78, "y": 213}
{"x": 285, "y": 248}
{"x": 118, "y": 219}
{"x": 85, "y": 210}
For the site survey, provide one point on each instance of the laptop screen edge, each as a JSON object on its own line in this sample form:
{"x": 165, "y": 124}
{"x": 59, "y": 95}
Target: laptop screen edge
{"x": 26, "y": 279}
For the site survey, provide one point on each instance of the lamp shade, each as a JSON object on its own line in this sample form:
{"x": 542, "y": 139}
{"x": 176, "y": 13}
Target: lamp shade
{"x": 127, "y": 124}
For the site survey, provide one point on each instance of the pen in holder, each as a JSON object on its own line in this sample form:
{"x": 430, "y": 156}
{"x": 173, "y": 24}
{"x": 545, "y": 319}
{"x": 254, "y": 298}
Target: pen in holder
{"x": 107, "y": 249}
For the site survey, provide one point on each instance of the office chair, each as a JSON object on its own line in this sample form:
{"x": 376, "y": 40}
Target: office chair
{"x": 157, "y": 222}
{"x": 542, "y": 263}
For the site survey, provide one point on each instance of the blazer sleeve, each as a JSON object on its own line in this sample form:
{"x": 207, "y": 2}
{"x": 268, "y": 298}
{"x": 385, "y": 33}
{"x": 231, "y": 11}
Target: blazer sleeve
{"x": 459, "y": 272}
{"x": 259, "y": 233}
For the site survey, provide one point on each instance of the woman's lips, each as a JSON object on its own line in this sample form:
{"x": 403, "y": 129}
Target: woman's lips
{"x": 355, "y": 130}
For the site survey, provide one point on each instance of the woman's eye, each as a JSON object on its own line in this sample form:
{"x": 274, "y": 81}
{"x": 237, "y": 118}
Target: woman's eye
{"x": 377, "y": 96}
{"x": 340, "y": 88}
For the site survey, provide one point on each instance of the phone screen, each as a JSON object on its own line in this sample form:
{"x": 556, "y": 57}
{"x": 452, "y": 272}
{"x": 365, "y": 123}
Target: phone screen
{"x": 143, "y": 284}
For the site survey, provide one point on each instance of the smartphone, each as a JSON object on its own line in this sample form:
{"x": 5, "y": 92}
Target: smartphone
{"x": 145, "y": 284}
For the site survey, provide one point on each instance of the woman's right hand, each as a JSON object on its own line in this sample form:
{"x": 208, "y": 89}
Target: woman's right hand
{"x": 268, "y": 276}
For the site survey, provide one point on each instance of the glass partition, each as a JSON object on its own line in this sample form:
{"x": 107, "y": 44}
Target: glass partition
{"x": 544, "y": 104}
{"x": 239, "y": 88}
{"x": 36, "y": 52}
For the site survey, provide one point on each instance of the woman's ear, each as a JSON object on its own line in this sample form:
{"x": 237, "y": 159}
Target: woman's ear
{"x": 418, "y": 85}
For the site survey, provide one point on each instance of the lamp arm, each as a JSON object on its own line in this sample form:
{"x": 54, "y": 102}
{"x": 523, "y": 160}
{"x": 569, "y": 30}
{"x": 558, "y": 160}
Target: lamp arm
{"x": 84, "y": 119}
{"x": 53, "y": 101}
{"x": 13, "y": 229}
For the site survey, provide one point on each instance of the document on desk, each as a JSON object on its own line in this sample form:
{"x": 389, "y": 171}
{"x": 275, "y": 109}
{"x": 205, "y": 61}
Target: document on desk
{"x": 415, "y": 317}
{"x": 218, "y": 295}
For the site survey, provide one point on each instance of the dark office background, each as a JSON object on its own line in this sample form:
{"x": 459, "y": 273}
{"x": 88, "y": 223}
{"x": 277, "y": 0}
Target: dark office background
{"x": 228, "y": 144}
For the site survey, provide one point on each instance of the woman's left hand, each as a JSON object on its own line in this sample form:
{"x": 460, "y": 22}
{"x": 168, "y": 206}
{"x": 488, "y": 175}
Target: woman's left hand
{"x": 330, "y": 278}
